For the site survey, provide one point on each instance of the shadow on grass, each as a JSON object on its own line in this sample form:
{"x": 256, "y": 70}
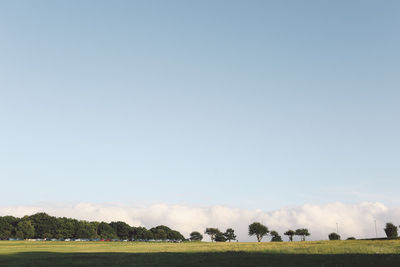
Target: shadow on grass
{"x": 196, "y": 259}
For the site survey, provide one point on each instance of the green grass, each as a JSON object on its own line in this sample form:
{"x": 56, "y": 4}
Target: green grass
{"x": 316, "y": 253}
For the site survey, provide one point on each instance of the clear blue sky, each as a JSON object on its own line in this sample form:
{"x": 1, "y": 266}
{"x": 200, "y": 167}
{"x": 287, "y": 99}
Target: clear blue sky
{"x": 251, "y": 104}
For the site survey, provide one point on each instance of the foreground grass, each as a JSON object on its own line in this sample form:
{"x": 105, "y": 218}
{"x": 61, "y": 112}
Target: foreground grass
{"x": 316, "y": 253}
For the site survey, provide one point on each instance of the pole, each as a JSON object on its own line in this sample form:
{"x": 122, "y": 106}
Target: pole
{"x": 376, "y": 232}
{"x": 337, "y": 228}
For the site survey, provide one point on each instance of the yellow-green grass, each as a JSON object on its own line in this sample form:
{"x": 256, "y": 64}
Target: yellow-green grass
{"x": 312, "y": 253}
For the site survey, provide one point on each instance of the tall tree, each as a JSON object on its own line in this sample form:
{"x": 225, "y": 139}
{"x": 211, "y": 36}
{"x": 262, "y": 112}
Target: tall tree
{"x": 219, "y": 237}
{"x": 196, "y": 236}
{"x": 334, "y": 236}
{"x": 158, "y": 234}
{"x": 67, "y": 228}
{"x": 259, "y": 230}
{"x": 122, "y": 229}
{"x": 86, "y": 230}
{"x": 104, "y": 230}
{"x": 230, "y": 234}
{"x": 391, "y": 230}
{"x": 6, "y": 228}
{"x": 303, "y": 232}
{"x": 212, "y": 232}
{"x": 169, "y": 234}
{"x": 275, "y": 236}
{"x": 290, "y": 234}
{"x": 45, "y": 226}
{"x": 25, "y": 229}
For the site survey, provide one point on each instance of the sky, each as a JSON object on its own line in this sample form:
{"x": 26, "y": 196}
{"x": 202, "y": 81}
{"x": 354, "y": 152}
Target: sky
{"x": 250, "y": 105}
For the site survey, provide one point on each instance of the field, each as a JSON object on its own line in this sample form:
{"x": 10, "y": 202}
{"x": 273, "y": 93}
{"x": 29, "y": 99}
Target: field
{"x": 313, "y": 253}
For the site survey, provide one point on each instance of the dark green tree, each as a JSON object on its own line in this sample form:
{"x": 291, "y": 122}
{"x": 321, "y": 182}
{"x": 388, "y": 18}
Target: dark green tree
{"x": 219, "y": 237}
{"x": 122, "y": 229}
{"x": 334, "y": 236}
{"x": 303, "y": 232}
{"x": 170, "y": 234}
{"x": 212, "y": 232}
{"x": 87, "y": 230}
{"x": 6, "y": 228}
{"x": 275, "y": 236}
{"x": 259, "y": 230}
{"x": 230, "y": 234}
{"x": 158, "y": 233}
{"x": 290, "y": 234}
{"x": 196, "y": 236}
{"x": 45, "y": 226}
{"x": 391, "y": 230}
{"x": 148, "y": 235}
{"x": 104, "y": 230}
{"x": 175, "y": 236}
{"x": 141, "y": 233}
{"x": 25, "y": 230}
{"x": 67, "y": 228}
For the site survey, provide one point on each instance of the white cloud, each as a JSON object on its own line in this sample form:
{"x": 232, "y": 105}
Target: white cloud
{"x": 354, "y": 219}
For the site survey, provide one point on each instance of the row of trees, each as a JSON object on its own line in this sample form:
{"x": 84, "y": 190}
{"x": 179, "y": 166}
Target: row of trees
{"x": 41, "y": 225}
{"x": 259, "y": 230}
{"x": 255, "y": 229}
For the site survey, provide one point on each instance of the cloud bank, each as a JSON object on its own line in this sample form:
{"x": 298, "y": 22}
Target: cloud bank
{"x": 353, "y": 219}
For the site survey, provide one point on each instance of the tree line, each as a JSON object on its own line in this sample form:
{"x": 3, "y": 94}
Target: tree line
{"x": 255, "y": 229}
{"x": 259, "y": 231}
{"x": 44, "y": 226}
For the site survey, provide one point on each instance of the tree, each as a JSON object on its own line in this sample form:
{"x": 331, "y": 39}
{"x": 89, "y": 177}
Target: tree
{"x": 334, "y": 236}
{"x": 351, "y": 238}
{"x": 275, "y": 236}
{"x": 122, "y": 229}
{"x": 391, "y": 230}
{"x": 67, "y": 228}
{"x": 219, "y": 237}
{"x": 148, "y": 235}
{"x": 303, "y": 232}
{"x": 86, "y": 230}
{"x": 104, "y": 230}
{"x": 259, "y": 230}
{"x": 6, "y": 228}
{"x": 158, "y": 234}
{"x": 170, "y": 234}
{"x": 44, "y": 224}
{"x": 230, "y": 234}
{"x": 212, "y": 232}
{"x": 25, "y": 230}
{"x": 196, "y": 236}
{"x": 141, "y": 233}
{"x": 290, "y": 233}
{"x": 175, "y": 235}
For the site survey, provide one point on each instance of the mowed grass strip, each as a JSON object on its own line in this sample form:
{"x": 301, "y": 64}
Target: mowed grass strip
{"x": 310, "y": 253}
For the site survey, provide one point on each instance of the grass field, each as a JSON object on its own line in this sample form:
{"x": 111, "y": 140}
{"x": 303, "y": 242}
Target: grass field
{"x": 313, "y": 253}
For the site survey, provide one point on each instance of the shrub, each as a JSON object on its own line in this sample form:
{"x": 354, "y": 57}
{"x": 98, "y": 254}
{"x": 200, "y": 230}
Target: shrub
{"x": 390, "y": 230}
{"x": 334, "y": 236}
